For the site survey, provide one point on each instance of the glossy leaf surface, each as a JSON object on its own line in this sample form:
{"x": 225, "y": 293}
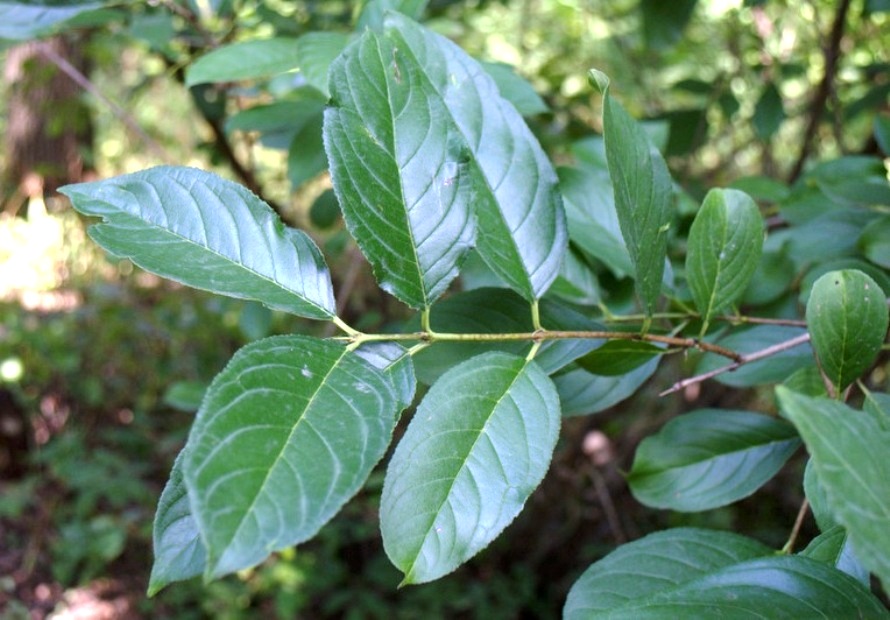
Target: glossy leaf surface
{"x": 287, "y": 433}
{"x": 848, "y": 449}
{"x": 847, "y": 318}
{"x": 724, "y": 246}
{"x": 420, "y": 142}
{"x": 642, "y": 187}
{"x": 479, "y": 444}
{"x": 709, "y": 458}
{"x": 701, "y": 573}
{"x": 196, "y": 228}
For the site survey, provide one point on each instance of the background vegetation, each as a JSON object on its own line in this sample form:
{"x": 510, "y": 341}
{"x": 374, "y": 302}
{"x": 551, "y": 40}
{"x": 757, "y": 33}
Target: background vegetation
{"x": 100, "y": 363}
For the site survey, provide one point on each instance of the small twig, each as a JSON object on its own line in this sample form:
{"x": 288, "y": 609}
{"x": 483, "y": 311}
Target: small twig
{"x": 605, "y": 498}
{"x": 744, "y": 359}
{"x": 798, "y": 523}
{"x": 83, "y": 81}
{"x": 756, "y": 320}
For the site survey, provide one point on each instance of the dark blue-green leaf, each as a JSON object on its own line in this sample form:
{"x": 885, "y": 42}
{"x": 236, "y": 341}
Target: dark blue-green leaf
{"x": 833, "y": 548}
{"x": 692, "y": 573}
{"x": 28, "y": 20}
{"x": 582, "y": 393}
{"x": 618, "y": 357}
{"x": 710, "y": 458}
{"x": 204, "y": 231}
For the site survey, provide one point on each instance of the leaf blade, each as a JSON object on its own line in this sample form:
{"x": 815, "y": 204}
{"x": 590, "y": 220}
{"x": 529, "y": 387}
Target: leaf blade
{"x": 724, "y": 247}
{"x": 479, "y": 444}
{"x": 287, "y": 433}
{"x": 203, "y": 231}
{"x": 848, "y": 454}
{"x": 709, "y": 458}
{"x": 847, "y": 318}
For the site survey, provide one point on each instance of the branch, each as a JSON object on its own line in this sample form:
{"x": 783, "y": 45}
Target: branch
{"x": 429, "y": 336}
{"x": 743, "y": 359}
{"x": 84, "y": 82}
{"x": 823, "y": 91}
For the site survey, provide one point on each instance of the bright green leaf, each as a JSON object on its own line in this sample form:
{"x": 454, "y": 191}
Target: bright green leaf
{"x": 199, "y": 229}
{"x": 479, "y": 444}
{"x": 710, "y": 458}
{"x": 815, "y": 494}
{"x": 28, "y": 20}
{"x": 419, "y": 140}
{"x": 847, "y": 319}
{"x": 691, "y": 573}
{"x": 724, "y": 247}
{"x": 178, "y": 551}
{"x": 374, "y": 12}
{"x": 878, "y": 405}
{"x": 618, "y": 357}
{"x": 642, "y": 187}
{"x": 848, "y": 449}
{"x": 185, "y": 395}
{"x": 287, "y": 433}
{"x": 833, "y": 548}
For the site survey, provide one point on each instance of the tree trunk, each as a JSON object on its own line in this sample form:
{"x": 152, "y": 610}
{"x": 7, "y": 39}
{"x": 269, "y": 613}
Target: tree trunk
{"x": 49, "y": 131}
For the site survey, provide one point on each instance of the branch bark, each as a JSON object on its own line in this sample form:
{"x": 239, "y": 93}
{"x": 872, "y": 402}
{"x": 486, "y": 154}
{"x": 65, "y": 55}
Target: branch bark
{"x": 823, "y": 92}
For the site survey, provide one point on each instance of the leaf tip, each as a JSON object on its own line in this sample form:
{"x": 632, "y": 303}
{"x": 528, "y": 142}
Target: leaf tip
{"x": 598, "y": 80}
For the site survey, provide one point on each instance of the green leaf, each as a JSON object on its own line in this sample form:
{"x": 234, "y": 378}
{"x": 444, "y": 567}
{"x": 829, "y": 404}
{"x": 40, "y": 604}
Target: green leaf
{"x": 592, "y": 218}
{"x": 815, "y": 494}
{"x": 418, "y": 140}
{"x": 769, "y": 113}
{"x": 306, "y": 158}
{"x": 179, "y": 553}
{"x": 847, "y": 319}
{"x": 875, "y": 242}
{"x": 833, "y": 547}
{"x": 618, "y": 357}
{"x": 203, "y": 231}
{"x": 27, "y": 20}
{"x": 772, "y": 369}
{"x": 374, "y": 12}
{"x": 185, "y": 395}
{"x": 642, "y": 187}
{"x": 287, "y": 433}
{"x": 577, "y": 282}
{"x": 245, "y": 60}
{"x": 491, "y": 311}
{"x": 311, "y": 53}
{"x": 848, "y": 449}
{"x": 515, "y": 89}
{"x": 396, "y": 364}
{"x": 583, "y": 393}
{"x": 882, "y": 133}
{"x": 479, "y": 444}
{"x": 663, "y": 22}
{"x": 878, "y": 405}
{"x": 692, "y": 573}
{"x": 710, "y": 458}
{"x": 724, "y": 246}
